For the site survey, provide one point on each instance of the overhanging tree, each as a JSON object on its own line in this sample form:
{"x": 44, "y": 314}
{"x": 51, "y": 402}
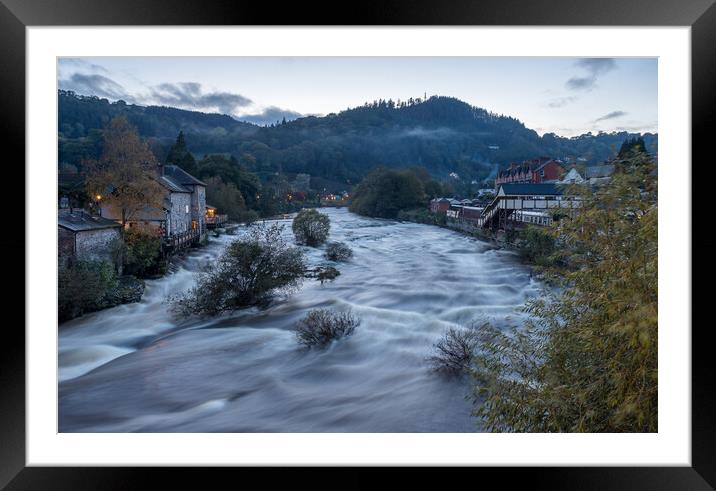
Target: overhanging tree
{"x": 587, "y": 359}
{"x": 125, "y": 175}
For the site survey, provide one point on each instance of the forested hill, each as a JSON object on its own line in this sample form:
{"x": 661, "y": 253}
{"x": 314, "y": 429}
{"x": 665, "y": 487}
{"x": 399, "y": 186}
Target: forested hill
{"x": 78, "y": 114}
{"x": 442, "y": 134}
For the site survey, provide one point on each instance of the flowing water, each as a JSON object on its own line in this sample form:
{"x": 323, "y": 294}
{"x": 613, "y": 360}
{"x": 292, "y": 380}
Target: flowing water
{"x": 136, "y": 368}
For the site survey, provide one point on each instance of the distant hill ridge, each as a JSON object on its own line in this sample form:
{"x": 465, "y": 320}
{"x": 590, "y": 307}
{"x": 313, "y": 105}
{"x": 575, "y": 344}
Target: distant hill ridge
{"x": 442, "y": 134}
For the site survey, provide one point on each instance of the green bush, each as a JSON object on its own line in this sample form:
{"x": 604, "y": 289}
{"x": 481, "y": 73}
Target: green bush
{"x": 142, "y": 254}
{"x": 536, "y": 245}
{"x": 250, "y": 272}
{"x": 84, "y": 286}
{"x": 338, "y": 251}
{"x": 311, "y": 227}
{"x": 385, "y": 192}
{"x": 322, "y": 326}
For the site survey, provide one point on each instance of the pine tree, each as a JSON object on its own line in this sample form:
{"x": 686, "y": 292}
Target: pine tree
{"x": 179, "y": 155}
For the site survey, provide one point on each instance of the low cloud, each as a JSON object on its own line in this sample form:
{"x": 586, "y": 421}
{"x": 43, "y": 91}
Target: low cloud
{"x": 270, "y": 115}
{"x": 94, "y": 84}
{"x": 595, "y": 68}
{"x": 434, "y": 134}
{"x": 611, "y": 115}
{"x": 190, "y": 95}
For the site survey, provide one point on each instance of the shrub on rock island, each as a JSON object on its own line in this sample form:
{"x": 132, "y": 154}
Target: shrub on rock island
{"x": 454, "y": 350}
{"x": 322, "y": 326}
{"x": 252, "y": 270}
{"x": 338, "y": 251}
{"x": 311, "y": 227}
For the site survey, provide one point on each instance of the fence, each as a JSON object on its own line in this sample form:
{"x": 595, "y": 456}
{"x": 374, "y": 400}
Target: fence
{"x": 182, "y": 239}
{"x": 216, "y": 221}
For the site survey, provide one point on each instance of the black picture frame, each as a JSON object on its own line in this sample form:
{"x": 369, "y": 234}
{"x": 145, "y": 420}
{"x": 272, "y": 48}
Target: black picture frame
{"x": 15, "y": 15}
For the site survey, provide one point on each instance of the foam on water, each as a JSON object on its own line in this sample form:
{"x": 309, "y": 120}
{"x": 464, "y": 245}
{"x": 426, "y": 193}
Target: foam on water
{"x": 136, "y": 368}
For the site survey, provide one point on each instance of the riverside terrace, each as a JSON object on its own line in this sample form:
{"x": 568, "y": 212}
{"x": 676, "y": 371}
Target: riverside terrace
{"x": 515, "y": 205}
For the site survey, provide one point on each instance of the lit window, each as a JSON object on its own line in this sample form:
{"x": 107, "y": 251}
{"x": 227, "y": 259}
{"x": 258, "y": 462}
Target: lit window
{"x": 187, "y": 208}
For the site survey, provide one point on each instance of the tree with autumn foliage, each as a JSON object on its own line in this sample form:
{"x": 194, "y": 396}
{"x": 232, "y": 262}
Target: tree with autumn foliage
{"x": 586, "y": 360}
{"x": 125, "y": 175}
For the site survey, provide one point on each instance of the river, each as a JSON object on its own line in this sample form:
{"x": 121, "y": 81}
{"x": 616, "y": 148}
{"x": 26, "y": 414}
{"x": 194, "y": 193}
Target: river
{"x": 136, "y": 368}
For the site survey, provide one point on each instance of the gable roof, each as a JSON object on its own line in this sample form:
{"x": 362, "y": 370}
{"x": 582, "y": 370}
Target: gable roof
{"x": 181, "y": 176}
{"x": 572, "y": 174}
{"x": 600, "y": 171}
{"x": 172, "y": 185}
{"x": 80, "y": 221}
{"x": 550, "y": 161}
{"x": 530, "y": 189}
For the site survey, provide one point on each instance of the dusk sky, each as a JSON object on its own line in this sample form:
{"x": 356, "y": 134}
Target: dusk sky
{"x": 567, "y": 96}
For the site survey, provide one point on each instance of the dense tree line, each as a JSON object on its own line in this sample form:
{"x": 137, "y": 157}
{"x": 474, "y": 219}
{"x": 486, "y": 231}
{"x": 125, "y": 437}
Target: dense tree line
{"x": 442, "y": 134}
{"x": 384, "y": 193}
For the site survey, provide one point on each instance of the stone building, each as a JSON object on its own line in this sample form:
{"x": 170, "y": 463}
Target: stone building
{"x": 197, "y": 188}
{"x": 183, "y": 210}
{"x": 85, "y": 237}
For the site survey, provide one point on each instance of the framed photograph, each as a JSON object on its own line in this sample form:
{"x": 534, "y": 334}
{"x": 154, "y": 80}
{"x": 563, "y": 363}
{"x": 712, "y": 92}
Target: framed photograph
{"x": 426, "y": 238}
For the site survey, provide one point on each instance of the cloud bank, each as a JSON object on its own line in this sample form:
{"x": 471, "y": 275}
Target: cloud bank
{"x": 94, "y": 84}
{"x": 191, "y": 95}
{"x": 269, "y": 115}
{"x": 184, "y": 95}
{"x": 595, "y": 68}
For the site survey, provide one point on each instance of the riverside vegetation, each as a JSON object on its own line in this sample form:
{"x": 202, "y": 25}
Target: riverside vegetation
{"x": 586, "y": 358}
{"x": 251, "y": 271}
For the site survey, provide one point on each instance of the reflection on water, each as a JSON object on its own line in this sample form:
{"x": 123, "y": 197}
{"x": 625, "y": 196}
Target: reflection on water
{"x": 135, "y": 368}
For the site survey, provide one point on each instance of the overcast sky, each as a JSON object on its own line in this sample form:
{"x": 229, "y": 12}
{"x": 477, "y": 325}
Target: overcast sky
{"x": 567, "y": 96}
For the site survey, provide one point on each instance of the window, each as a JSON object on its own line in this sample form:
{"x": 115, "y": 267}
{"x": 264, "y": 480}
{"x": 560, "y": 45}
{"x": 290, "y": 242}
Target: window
{"x": 187, "y": 208}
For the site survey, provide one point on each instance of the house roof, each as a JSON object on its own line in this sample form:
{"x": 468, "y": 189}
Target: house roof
{"x": 600, "y": 171}
{"x": 80, "y": 221}
{"x": 181, "y": 176}
{"x": 530, "y": 189}
{"x": 527, "y": 166}
{"x": 544, "y": 164}
{"x": 172, "y": 185}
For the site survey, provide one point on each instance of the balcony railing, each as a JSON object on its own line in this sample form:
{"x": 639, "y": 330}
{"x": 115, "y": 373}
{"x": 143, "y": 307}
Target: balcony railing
{"x": 216, "y": 221}
{"x": 182, "y": 238}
